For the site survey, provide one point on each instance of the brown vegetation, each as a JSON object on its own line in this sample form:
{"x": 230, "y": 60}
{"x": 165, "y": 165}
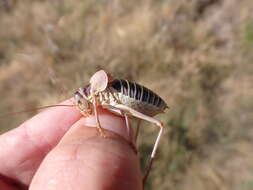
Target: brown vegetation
{"x": 196, "y": 54}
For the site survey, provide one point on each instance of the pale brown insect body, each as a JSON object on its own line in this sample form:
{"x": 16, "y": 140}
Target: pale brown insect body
{"x": 130, "y": 94}
{"x": 124, "y": 98}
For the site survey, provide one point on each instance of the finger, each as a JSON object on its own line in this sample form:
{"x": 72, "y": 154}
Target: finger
{"x": 85, "y": 160}
{"x": 23, "y": 148}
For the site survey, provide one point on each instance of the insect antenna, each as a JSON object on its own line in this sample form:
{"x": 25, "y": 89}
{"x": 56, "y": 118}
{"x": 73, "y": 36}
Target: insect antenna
{"x": 35, "y": 109}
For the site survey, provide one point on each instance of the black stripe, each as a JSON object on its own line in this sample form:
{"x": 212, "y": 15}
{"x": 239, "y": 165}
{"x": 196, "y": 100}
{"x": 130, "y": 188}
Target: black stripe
{"x": 86, "y": 90}
{"x": 116, "y": 84}
{"x": 145, "y": 94}
{"x": 156, "y": 98}
{"x": 159, "y": 102}
{"x": 138, "y": 92}
{"x": 125, "y": 87}
{"x": 151, "y": 96}
{"x": 132, "y": 88}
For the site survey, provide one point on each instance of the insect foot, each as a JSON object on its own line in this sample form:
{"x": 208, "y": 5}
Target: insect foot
{"x": 101, "y": 131}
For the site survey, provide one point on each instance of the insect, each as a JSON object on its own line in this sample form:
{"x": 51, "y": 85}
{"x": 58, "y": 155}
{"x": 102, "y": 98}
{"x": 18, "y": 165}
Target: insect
{"x": 124, "y": 98}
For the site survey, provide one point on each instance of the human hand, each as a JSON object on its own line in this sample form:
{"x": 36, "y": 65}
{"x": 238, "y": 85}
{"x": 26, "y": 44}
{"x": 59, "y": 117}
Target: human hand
{"x": 56, "y": 150}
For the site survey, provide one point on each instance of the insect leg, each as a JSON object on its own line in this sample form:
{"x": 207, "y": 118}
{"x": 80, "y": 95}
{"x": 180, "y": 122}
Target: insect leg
{"x": 127, "y": 125}
{"x": 100, "y": 129}
{"x": 122, "y": 113}
{"x": 137, "y": 130}
{"x": 139, "y": 115}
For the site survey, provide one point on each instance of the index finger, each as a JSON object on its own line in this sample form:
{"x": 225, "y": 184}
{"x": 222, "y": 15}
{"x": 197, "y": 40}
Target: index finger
{"x": 23, "y": 148}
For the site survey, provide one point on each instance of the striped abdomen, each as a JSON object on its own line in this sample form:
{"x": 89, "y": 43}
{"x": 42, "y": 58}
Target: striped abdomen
{"x": 138, "y": 97}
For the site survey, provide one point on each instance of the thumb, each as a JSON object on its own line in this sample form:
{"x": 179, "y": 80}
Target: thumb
{"x": 85, "y": 160}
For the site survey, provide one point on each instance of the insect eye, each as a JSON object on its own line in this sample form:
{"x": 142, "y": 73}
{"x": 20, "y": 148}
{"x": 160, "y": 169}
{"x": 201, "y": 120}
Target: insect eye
{"x": 78, "y": 97}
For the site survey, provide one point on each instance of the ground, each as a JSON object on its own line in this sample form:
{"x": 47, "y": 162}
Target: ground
{"x": 195, "y": 54}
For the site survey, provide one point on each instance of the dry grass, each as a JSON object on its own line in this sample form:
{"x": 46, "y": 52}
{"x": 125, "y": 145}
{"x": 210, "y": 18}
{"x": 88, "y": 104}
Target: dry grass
{"x": 196, "y": 54}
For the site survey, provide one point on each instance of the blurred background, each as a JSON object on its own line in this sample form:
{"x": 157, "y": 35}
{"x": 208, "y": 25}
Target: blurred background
{"x": 196, "y": 54}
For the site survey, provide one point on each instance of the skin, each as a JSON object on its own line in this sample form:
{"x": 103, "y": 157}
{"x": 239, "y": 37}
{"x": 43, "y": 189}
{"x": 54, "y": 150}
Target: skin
{"x": 61, "y": 149}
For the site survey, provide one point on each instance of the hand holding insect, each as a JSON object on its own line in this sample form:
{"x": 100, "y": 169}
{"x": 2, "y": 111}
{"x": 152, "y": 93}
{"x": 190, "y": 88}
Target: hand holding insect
{"x": 82, "y": 159}
{"x": 119, "y": 96}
